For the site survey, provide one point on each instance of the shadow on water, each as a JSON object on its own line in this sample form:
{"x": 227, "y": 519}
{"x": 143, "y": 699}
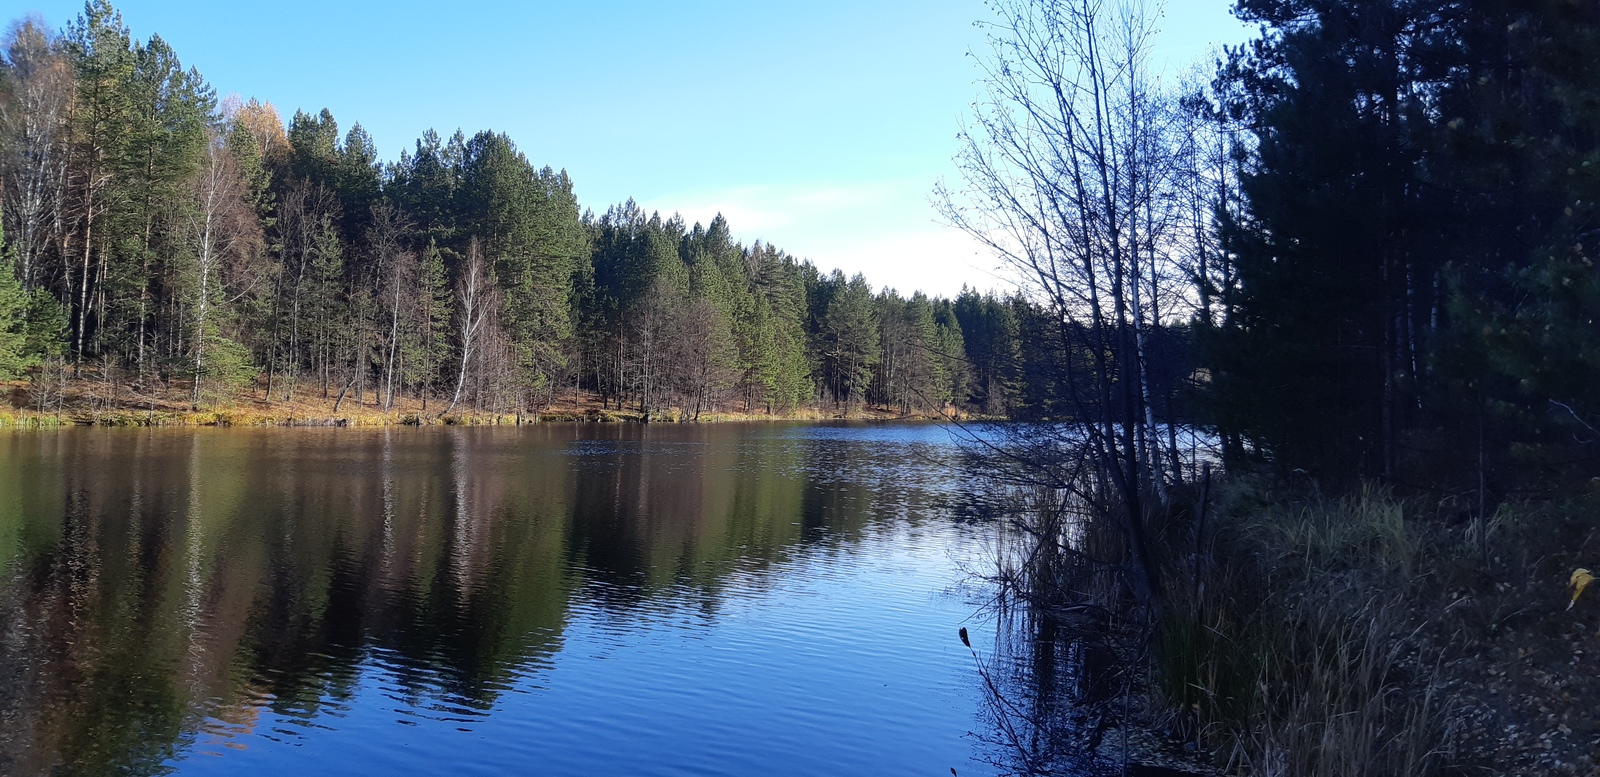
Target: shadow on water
{"x": 1064, "y": 678}
{"x": 1056, "y": 694}
{"x": 159, "y": 589}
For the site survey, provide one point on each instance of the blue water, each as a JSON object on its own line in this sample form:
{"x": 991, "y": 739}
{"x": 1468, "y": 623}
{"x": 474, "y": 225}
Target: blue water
{"x": 564, "y": 600}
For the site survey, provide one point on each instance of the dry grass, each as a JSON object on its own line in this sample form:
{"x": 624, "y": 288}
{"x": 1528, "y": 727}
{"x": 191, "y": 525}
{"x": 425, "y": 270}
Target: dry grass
{"x": 1296, "y": 653}
{"x": 99, "y": 402}
{"x": 26, "y": 420}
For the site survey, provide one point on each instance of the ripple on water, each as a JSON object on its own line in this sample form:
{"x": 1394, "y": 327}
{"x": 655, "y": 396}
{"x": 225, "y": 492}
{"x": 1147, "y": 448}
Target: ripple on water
{"x": 732, "y": 600}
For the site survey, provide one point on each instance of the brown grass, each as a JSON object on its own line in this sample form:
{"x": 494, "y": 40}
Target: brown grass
{"x": 100, "y": 402}
{"x": 1297, "y": 655}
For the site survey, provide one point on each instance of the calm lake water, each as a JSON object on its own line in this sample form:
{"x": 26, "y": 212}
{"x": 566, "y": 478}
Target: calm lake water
{"x": 564, "y": 600}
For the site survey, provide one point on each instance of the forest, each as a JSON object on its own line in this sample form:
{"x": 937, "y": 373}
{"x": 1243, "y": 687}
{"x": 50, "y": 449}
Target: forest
{"x": 1357, "y": 248}
{"x": 166, "y": 240}
{"x": 1354, "y": 256}
{"x": 1345, "y": 266}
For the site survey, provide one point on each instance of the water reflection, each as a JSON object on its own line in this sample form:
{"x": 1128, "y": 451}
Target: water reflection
{"x": 170, "y": 593}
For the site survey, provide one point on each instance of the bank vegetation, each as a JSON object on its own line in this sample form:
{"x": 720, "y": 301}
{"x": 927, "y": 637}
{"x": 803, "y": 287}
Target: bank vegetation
{"x": 1341, "y": 543}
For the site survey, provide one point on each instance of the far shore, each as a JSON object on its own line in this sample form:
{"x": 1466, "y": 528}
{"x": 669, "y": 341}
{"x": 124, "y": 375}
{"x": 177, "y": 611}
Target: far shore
{"x": 89, "y": 402}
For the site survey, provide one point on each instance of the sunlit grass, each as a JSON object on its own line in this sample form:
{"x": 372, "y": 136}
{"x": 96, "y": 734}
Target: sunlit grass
{"x": 88, "y": 402}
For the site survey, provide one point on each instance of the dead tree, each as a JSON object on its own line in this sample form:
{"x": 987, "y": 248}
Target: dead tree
{"x": 475, "y": 304}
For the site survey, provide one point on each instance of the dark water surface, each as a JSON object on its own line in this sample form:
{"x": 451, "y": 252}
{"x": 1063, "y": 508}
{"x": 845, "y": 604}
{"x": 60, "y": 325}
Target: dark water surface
{"x": 565, "y": 600}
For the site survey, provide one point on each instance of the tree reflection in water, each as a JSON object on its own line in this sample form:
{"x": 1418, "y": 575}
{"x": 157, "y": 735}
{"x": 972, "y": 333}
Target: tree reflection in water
{"x": 167, "y": 590}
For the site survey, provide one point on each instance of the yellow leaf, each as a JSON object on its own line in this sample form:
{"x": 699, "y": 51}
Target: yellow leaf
{"x": 1581, "y": 578}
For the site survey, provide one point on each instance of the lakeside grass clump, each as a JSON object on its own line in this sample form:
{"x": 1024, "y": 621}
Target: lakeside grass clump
{"x": 1293, "y": 648}
{"x": 1298, "y": 634}
{"x": 1380, "y": 635}
{"x": 24, "y": 420}
{"x": 1293, "y": 635}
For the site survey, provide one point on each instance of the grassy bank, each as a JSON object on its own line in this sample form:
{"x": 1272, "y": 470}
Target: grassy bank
{"x": 1298, "y": 634}
{"x": 1370, "y": 635}
{"x": 91, "y": 402}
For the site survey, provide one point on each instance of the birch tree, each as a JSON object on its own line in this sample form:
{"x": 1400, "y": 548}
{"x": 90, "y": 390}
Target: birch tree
{"x": 222, "y": 226}
{"x": 475, "y": 304}
{"x": 1061, "y": 163}
{"x": 36, "y": 85}
{"x": 396, "y": 272}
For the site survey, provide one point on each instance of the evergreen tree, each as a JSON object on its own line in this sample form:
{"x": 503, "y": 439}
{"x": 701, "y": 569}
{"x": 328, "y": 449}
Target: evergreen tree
{"x": 425, "y": 184}
{"x": 784, "y": 369}
{"x": 102, "y": 52}
{"x": 533, "y": 233}
{"x": 426, "y": 346}
{"x": 15, "y": 356}
{"x": 847, "y": 337}
{"x": 166, "y": 138}
{"x": 1321, "y": 364}
{"x": 990, "y": 343}
{"x": 314, "y": 148}
{"x": 948, "y": 349}
{"x": 1521, "y": 154}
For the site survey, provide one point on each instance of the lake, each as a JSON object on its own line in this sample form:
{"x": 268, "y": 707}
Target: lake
{"x": 730, "y": 599}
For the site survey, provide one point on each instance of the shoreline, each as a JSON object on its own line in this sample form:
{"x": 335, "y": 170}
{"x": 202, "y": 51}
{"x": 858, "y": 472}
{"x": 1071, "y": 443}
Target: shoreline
{"x": 96, "y": 404}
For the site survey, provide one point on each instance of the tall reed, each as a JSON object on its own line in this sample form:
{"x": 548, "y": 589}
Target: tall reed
{"x": 1291, "y": 652}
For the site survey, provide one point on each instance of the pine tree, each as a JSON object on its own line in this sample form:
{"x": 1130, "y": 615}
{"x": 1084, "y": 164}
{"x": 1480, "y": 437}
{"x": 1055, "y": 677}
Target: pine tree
{"x": 1521, "y": 149}
{"x": 990, "y": 344}
{"x": 314, "y": 148}
{"x": 167, "y": 135}
{"x": 533, "y": 234}
{"x": 426, "y": 349}
{"x": 102, "y": 53}
{"x": 848, "y": 338}
{"x": 1321, "y": 365}
{"x": 358, "y": 180}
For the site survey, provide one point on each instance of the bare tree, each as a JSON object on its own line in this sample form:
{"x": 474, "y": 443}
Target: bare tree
{"x": 702, "y": 354}
{"x": 1064, "y": 165}
{"x": 396, "y": 274}
{"x": 221, "y": 226}
{"x": 36, "y": 90}
{"x": 476, "y": 303}
{"x": 654, "y": 327}
{"x": 305, "y": 239}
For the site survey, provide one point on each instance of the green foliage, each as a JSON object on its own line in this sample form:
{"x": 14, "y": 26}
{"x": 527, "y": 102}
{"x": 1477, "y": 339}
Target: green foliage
{"x": 1305, "y": 363}
{"x": 46, "y": 325}
{"x": 1526, "y": 317}
{"x": 304, "y": 282}
{"x": 530, "y": 222}
{"x": 314, "y": 147}
{"x": 786, "y": 372}
{"x": 949, "y": 352}
{"x": 991, "y": 344}
{"x": 428, "y": 330}
{"x": 227, "y": 369}
{"x": 32, "y": 326}
{"x": 15, "y": 355}
{"x": 847, "y": 336}
{"x": 914, "y": 372}
{"x": 1410, "y": 248}
{"x": 247, "y": 151}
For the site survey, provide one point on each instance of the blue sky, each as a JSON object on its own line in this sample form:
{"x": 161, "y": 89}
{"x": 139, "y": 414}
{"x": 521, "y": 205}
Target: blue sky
{"x": 820, "y": 127}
